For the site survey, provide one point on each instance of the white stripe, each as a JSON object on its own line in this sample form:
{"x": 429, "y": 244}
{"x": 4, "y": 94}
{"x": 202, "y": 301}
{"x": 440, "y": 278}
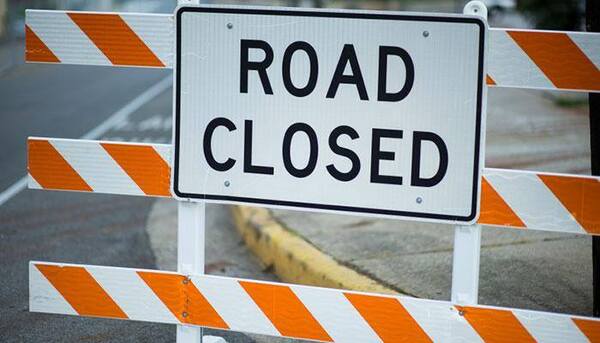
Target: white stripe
{"x": 64, "y": 38}
{"x": 551, "y": 328}
{"x": 509, "y": 65}
{"x": 440, "y": 320}
{"x": 32, "y": 183}
{"x": 533, "y": 202}
{"x": 43, "y": 297}
{"x": 13, "y": 190}
{"x": 164, "y": 151}
{"x": 589, "y": 43}
{"x": 234, "y": 305}
{"x": 157, "y": 31}
{"x": 132, "y": 294}
{"x": 336, "y": 314}
{"x": 96, "y": 167}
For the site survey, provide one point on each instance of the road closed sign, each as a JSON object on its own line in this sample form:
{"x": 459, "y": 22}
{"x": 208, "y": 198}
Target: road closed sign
{"x": 359, "y": 112}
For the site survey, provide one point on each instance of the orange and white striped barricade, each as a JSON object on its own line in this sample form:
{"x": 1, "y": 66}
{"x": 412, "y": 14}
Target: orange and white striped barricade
{"x": 512, "y": 199}
{"x": 509, "y": 198}
{"x": 109, "y": 39}
{"x": 552, "y": 60}
{"x": 283, "y": 310}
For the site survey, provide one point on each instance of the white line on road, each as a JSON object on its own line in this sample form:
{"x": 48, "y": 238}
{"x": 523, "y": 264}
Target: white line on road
{"x": 101, "y": 129}
{"x": 13, "y": 189}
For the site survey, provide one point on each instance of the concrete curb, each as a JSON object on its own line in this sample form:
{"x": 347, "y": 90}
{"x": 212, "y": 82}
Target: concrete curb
{"x": 292, "y": 258}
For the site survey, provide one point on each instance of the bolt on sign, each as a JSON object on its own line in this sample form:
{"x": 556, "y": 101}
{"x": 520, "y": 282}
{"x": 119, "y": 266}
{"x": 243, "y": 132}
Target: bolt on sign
{"x": 367, "y": 113}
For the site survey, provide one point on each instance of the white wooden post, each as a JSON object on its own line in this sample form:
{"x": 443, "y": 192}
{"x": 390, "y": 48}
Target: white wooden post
{"x": 467, "y": 238}
{"x": 191, "y": 219}
{"x": 465, "y": 264}
{"x": 190, "y": 254}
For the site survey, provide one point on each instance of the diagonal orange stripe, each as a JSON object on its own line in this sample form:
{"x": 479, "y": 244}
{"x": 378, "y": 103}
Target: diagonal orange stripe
{"x": 580, "y": 196}
{"x": 144, "y": 165}
{"x": 285, "y": 311}
{"x": 494, "y": 210}
{"x": 559, "y": 58}
{"x": 388, "y": 318}
{"x": 36, "y": 50}
{"x": 111, "y": 34}
{"x": 82, "y": 291}
{"x": 50, "y": 169}
{"x": 183, "y": 299}
{"x": 590, "y": 328}
{"x": 489, "y": 81}
{"x": 496, "y": 325}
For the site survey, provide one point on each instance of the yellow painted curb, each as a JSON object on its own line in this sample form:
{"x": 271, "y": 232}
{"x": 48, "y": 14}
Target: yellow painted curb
{"x": 292, "y": 258}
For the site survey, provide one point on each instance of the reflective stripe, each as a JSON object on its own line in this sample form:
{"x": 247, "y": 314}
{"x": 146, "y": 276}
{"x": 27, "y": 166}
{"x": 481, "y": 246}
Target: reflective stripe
{"x": 548, "y": 328}
{"x": 45, "y": 298}
{"x": 88, "y": 160}
{"x": 115, "y": 39}
{"x": 296, "y": 311}
{"x": 50, "y": 169}
{"x": 245, "y": 316}
{"x": 334, "y": 316}
{"x": 534, "y": 203}
{"x": 183, "y": 299}
{"x": 64, "y": 38}
{"x": 133, "y": 296}
{"x": 510, "y": 66}
{"x": 81, "y": 291}
{"x": 510, "y": 198}
{"x": 516, "y": 58}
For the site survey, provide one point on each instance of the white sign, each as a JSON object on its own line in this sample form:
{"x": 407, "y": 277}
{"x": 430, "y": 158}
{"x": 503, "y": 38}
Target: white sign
{"x": 363, "y": 112}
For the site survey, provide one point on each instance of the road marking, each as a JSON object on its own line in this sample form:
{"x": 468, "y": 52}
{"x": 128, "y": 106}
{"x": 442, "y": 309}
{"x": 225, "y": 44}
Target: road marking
{"x": 12, "y": 190}
{"x": 101, "y": 129}
{"x": 128, "y": 109}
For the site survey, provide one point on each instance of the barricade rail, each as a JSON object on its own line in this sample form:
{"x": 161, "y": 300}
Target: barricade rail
{"x": 552, "y": 60}
{"x": 509, "y": 198}
{"x": 294, "y": 311}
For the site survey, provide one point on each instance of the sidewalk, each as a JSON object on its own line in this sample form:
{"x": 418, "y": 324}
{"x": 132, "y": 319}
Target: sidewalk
{"x": 524, "y": 269}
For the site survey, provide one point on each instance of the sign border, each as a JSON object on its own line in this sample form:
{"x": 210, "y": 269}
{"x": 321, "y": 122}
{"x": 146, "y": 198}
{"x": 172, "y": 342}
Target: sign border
{"x": 334, "y": 14}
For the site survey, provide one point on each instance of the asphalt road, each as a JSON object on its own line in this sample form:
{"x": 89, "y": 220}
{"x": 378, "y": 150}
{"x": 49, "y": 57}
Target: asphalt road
{"x": 68, "y": 101}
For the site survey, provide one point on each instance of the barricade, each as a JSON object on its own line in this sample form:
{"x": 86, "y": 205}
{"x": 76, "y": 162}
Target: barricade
{"x": 190, "y": 299}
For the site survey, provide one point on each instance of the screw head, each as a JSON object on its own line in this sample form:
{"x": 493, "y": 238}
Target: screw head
{"x": 226, "y": 183}
{"x": 184, "y": 314}
{"x": 185, "y": 281}
{"x": 230, "y": 26}
{"x": 419, "y": 200}
{"x": 425, "y": 34}
{"x": 461, "y": 313}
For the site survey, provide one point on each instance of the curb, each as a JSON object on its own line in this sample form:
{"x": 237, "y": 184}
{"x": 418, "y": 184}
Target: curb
{"x": 293, "y": 259}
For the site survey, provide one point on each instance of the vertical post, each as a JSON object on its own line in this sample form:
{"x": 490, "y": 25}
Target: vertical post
{"x": 191, "y": 218}
{"x": 190, "y": 254}
{"x": 190, "y": 237}
{"x": 592, "y": 16}
{"x": 467, "y": 238}
{"x": 465, "y": 264}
